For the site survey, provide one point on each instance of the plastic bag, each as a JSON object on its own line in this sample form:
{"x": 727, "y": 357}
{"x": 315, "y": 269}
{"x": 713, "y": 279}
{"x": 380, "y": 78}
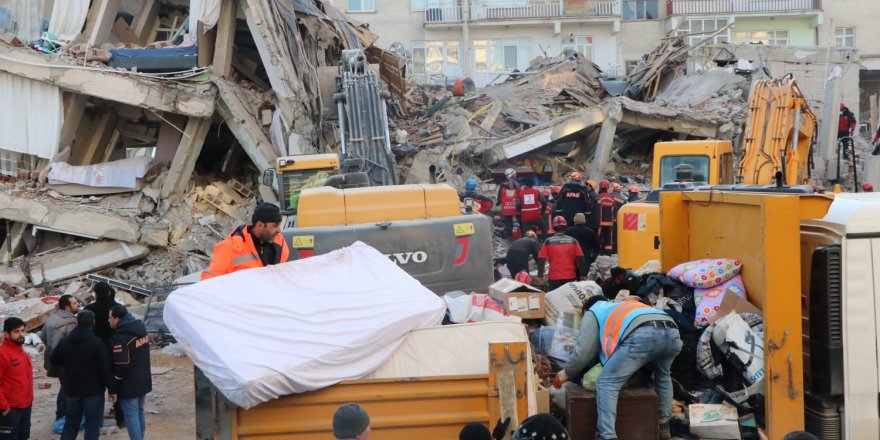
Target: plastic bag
{"x": 589, "y": 379}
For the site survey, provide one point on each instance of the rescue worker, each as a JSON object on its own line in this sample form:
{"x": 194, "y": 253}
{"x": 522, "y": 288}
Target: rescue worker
{"x": 519, "y": 253}
{"x": 586, "y": 238}
{"x": 846, "y": 128}
{"x": 593, "y": 213}
{"x": 634, "y": 194}
{"x": 567, "y": 262}
{"x": 607, "y": 219}
{"x": 351, "y": 422}
{"x": 508, "y": 194}
{"x": 258, "y": 244}
{"x": 532, "y": 205}
{"x": 573, "y": 198}
{"x": 16, "y": 382}
{"x": 131, "y": 367}
{"x": 482, "y": 204}
{"x": 627, "y": 336}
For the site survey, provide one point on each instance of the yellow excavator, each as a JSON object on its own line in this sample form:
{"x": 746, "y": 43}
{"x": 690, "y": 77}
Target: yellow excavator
{"x": 776, "y": 149}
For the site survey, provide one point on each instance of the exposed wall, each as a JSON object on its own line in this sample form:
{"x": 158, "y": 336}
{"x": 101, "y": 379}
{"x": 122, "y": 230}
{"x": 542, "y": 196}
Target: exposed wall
{"x": 859, "y": 14}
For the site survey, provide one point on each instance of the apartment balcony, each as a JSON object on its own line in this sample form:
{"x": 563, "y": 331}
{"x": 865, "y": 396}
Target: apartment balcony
{"x": 737, "y": 7}
{"x": 511, "y": 12}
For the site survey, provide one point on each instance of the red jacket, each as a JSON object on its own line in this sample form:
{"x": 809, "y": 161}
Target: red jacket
{"x": 531, "y": 204}
{"x": 238, "y": 251}
{"x": 16, "y": 377}
{"x": 565, "y": 257}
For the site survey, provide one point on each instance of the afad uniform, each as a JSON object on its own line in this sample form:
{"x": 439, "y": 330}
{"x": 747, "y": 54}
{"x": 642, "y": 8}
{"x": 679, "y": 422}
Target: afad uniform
{"x": 238, "y": 251}
{"x": 564, "y": 255}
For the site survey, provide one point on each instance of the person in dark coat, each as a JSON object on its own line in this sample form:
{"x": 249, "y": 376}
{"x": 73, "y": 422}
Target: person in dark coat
{"x": 101, "y": 308}
{"x": 87, "y": 374}
{"x": 519, "y": 253}
{"x": 131, "y": 366}
{"x": 573, "y": 198}
{"x": 586, "y": 237}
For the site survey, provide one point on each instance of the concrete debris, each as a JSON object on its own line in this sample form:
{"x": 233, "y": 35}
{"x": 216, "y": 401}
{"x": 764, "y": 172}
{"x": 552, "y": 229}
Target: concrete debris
{"x": 71, "y": 262}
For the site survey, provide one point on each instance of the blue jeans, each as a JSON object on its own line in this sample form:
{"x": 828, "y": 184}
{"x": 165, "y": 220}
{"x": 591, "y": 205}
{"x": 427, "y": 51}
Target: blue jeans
{"x": 134, "y": 417}
{"x": 646, "y": 345}
{"x": 92, "y": 407}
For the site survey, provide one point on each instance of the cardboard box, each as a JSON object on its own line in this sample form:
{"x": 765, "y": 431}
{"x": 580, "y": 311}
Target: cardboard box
{"x": 543, "y": 398}
{"x": 518, "y": 299}
{"x": 714, "y": 421}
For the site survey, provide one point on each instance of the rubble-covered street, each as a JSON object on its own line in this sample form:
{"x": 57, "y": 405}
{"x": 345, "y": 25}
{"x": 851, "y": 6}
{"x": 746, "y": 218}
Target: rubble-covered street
{"x": 135, "y": 135}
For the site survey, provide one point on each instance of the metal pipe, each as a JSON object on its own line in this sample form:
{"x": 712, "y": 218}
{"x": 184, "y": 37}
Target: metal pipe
{"x": 340, "y": 110}
{"x": 8, "y": 243}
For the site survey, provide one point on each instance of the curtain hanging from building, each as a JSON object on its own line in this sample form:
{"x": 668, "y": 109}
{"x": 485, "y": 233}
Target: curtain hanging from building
{"x": 68, "y": 18}
{"x": 31, "y": 114}
{"x": 24, "y": 18}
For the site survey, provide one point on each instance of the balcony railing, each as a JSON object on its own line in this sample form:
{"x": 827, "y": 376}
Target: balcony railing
{"x": 519, "y": 11}
{"x": 698, "y": 7}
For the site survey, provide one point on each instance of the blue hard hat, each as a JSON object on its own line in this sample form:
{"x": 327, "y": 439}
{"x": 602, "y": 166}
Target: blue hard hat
{"x": 471, "y": 184}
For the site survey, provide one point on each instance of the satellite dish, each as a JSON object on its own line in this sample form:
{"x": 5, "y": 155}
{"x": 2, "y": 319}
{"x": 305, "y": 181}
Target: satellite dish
{"x": 398, "y": 48}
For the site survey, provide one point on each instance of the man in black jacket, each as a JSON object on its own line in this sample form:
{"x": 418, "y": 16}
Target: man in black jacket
{"x": 573, "y": 198}
{"x": 131, "y": 366}
{"x": 86, "y": 375}
{"x": 101, "y": 308}
{"x": 586, "y": 237}
{"x": 519, "y": 253}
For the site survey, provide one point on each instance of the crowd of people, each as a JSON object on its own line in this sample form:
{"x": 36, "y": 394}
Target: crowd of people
{"x": 92, "y": 350}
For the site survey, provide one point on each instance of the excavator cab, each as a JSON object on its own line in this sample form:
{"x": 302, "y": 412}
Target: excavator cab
{"x": 292, "y": 174}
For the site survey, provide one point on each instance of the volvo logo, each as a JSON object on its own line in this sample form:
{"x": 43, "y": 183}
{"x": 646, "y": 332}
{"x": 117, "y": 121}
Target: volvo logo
{"x": 404, "y": 258}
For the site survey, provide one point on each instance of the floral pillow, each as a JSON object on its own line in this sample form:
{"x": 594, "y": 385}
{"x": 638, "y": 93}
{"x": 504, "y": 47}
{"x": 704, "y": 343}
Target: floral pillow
{"x": 704, "y": 274}
{"x": 709, "y": 300}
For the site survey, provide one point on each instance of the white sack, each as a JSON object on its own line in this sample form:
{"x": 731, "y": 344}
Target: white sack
{"x": 569, "y": 297}
{"x": 31, "y": 114}
{"x": 117, "y": 174}
{"x": 206, "y": 12}
{"x": 263, "y": 333}
{"x": 68, "y": 18}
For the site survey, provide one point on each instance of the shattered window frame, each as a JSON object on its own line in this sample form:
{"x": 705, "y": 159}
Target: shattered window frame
{"x": 582, "y": 44}
{"x": 703, "y": 31}
{"x": 640, "y": 10}
{"x": 361, "y": 6}
{"x": 421, "y": 59}
{"x": 495, "y": 52}
{"x": 845, "y": 37}
{"x": 778, "y": 37}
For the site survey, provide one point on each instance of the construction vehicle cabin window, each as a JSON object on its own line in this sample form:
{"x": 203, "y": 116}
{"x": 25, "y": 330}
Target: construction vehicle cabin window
{"x": 668, "y": 164}
{"x": 293, "y": 182}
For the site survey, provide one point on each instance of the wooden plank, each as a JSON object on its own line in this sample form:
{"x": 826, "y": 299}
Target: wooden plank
{"x": 491, "y": 116}
{"x": 124, "y": 33}
{"x": 508, "y": 377}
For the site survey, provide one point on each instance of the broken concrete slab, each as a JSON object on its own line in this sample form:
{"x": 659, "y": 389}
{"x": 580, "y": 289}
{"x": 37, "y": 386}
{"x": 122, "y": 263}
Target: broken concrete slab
{"x": 561, "y": 129}
{"x": 191, "y": 100}
{"x": 34, "y": 312}
{"x": 244, "y": 126}
{"x": 68, "y": 263}
{"x": 52, "y": 216}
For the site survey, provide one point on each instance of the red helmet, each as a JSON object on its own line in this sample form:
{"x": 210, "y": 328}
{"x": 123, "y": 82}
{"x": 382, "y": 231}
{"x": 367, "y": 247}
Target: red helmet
{"x": 555, "y": 189}
{"x": 634, "y": 189}
{"x": 868, "y": 187}
{"x": 559, "y": 221}
{"x": 604, "y": 184}
{"x": 523, "y": 277}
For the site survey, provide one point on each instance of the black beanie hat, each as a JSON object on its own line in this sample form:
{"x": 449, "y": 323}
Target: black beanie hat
{"x": 266, "y": 213}
{"x": 474, "y": 431}
{"x": 540, "y": 427}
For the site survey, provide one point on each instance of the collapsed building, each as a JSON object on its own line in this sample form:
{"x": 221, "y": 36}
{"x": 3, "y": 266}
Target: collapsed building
{"x": 133, "y": 133}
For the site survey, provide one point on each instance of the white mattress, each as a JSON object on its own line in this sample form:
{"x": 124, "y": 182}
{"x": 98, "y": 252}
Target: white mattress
{"x": 262, "y": 333}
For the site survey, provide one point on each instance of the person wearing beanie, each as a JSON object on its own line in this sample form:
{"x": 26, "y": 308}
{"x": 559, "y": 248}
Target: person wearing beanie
{"x": 540, "y": 427}
{"x": 586, "y": 237}
{"x": 351, "y": 422}
{"x": 474, "y": 431}
{"x": 258, "y": 244}
{"x": 101, "y": 308}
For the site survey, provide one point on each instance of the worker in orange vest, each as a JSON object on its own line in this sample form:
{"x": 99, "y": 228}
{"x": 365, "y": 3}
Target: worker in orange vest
{"x": 258, "y": 244}
{"x": 627, "y": 336}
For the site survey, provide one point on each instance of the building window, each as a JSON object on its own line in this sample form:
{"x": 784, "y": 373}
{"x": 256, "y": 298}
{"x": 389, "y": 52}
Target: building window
{"x": 701, "y": 28}
{"x": 845, "y": 37}
{"x": 417, "y": 5}
{"x": 640, "y": 10}
{"x": 437, "y": 58}
{"x": 582, "y": 44}
{"x": 9, "y": 163}
{"x": 772, "y": 38}
{"x": 361, "y": 5}
{"x": 502, "y": 54}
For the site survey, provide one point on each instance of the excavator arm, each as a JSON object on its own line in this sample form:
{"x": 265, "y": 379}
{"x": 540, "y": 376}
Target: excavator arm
{"x": 779, "y": 134}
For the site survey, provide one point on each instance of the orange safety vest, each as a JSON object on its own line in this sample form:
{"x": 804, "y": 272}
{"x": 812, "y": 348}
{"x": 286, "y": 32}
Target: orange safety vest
{"x": 613, "y": 319}
{"x": 238, "y": 252}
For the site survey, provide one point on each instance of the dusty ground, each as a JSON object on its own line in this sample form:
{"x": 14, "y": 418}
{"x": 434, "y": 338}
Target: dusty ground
{"x": 170, "y": 411}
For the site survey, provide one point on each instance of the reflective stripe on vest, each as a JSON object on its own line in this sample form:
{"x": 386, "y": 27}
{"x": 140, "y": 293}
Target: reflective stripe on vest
{"x": 244, "y": 259}
{"x": 613, "y": 319}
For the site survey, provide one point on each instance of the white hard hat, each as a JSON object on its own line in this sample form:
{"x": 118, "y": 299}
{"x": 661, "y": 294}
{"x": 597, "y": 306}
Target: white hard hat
{"x": 510, "y": 172}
